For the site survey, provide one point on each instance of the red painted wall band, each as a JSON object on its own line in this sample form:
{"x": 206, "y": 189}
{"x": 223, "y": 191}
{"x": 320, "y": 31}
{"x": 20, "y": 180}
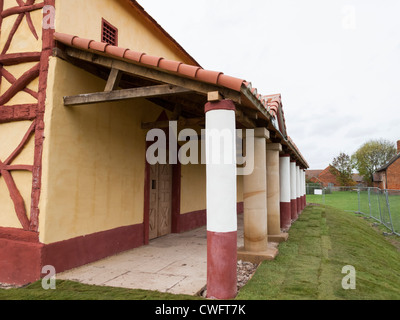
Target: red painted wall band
{"x": 22, "y": 256}
{"x": 221, "y": 265}
{"x": 220, "y": 105}
{"x": 79, "y": 251}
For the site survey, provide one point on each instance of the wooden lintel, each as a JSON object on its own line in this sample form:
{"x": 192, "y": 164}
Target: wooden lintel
{"x": 113, "y": 80}
{"x": 117, "y": 95}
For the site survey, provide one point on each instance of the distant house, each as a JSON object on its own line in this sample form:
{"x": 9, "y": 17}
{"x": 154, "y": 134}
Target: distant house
{"x": 325, "y": 177}
{"x": 388, "y": 177}
{"x": 359, "y": 180}
{"x": 328, "y": 179}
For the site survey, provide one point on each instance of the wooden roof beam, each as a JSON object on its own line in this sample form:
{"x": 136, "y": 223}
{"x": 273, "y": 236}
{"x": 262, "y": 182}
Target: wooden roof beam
{"x": 148, "y": 73}
{"x": 118, "y": 95}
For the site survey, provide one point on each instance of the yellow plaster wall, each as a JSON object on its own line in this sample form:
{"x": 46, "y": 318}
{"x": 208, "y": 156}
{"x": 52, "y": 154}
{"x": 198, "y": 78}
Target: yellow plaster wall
{"x": 93, "y": 159}
{"x": 193, "y": 188}
{"x": 83, "y": 18}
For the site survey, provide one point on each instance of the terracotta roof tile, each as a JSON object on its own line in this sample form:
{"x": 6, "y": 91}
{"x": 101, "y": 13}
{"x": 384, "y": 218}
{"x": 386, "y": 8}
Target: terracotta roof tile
{"x": 133, "y": 55}
{"x": 65, "y": 38}
{"x": 208, "y": 76}
{"x": 80, "y": 42}
{"x": 230, "y": 82}
{"x": 170, "y": 65}
{"x": 98, "y": 46}
{"x": 116, "y": 51}
{"x": 188, "y": 70}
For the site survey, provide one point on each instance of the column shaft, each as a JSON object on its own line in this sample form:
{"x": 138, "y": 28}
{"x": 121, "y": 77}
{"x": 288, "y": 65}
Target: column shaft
{"x": 255, "y": 197}
{"x": 221, "y": 200}
{"x": 298, "y": 184}
{"x": 293, "y": 189}
{"x": 273, "y": 189}
{"x": 284, "y": 169}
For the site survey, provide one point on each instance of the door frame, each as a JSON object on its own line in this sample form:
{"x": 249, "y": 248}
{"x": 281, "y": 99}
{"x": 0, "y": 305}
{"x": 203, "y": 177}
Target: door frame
{"x": 175, "y": 201}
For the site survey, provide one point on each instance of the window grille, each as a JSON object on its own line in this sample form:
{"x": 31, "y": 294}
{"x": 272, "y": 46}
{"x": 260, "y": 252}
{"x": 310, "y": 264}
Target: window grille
{"x": 109, "y": 33}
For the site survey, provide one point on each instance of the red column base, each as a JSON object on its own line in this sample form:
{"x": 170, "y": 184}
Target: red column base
{"x": 221, "y": 265}
{"x": 298, "y": 206}
{"x": 286, "y": 215}
{"x": 293, "y": 205}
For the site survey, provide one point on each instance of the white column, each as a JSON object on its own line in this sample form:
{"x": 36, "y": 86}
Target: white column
{"x": 221, "y": 200}
{"x": 293, "y": 189}
{"x": 285, "y": 197}
{"x": 298, "y": 184}
{"x": 304, "y": 189}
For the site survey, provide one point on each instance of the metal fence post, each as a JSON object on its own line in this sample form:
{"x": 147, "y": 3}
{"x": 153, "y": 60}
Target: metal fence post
{"x": 369, "y": 202}
{"x": 379, "y": 205}
{"x": 388, "y": 206}
{"x": 359, "y": 205}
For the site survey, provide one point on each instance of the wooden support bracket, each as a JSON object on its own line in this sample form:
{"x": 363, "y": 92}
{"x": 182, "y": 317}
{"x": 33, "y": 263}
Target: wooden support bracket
{"x": 113, "y": 80}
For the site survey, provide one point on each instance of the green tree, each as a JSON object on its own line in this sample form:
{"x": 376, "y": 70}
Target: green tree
{"x": 371, "y": 156}
{"x": 342, "y": 168}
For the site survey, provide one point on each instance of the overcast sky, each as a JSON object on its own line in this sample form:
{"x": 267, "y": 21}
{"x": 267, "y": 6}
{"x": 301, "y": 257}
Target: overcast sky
{"x": 335, "y": 62}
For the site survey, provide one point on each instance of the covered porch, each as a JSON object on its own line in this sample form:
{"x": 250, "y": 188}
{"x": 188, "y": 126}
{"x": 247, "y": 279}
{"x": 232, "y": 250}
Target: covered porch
{"x": 273, "y": 192}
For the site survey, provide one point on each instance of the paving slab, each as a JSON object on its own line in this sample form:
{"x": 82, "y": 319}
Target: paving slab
{"x": 176, "y": 263}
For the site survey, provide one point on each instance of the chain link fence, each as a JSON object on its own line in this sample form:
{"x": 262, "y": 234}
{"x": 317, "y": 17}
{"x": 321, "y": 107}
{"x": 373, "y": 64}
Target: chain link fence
{"x": 380, "y": 205}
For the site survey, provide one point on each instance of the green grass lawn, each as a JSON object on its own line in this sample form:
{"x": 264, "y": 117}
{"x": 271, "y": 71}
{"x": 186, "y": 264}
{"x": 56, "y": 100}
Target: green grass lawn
{"x": 309, "y": 265}
{"x": 322, "y": 242}
{"x": 348, "y": 200}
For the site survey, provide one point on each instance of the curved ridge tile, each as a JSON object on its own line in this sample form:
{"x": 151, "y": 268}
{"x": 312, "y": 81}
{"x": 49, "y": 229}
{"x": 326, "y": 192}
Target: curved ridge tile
{"x": 81, "y": 42}
{"x": 116, "y": 51}
{"x": 230, "y": 82}
{"x": 169, "y": 65}
{"x": 133, "y": 55}
{"x": 99, "y": 46}
{"x": 188, "y": 70}
{"x": 208, "y": 76}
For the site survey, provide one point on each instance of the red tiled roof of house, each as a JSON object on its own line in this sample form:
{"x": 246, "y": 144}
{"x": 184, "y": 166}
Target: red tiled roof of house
{"x": 313, "y": 173}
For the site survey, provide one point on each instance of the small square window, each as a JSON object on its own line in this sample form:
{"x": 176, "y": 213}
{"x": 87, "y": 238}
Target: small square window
{"x": 109, "y": 33}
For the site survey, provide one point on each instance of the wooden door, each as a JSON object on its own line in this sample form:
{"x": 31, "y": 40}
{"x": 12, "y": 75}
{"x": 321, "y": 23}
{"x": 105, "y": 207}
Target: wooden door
{"x": 160, "y": 200}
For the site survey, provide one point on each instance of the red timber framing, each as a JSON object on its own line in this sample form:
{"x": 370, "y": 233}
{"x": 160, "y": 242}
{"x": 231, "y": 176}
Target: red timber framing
{"x": 35, "y": 112}
{"x": 20, "y": 254}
